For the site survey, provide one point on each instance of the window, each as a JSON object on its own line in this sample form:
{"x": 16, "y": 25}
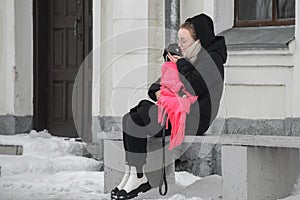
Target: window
{"x": 264, "y": 12}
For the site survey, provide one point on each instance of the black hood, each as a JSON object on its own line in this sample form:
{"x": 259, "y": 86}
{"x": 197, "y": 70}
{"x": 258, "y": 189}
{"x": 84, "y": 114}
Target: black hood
{"x": 204, "y": 29}
{"x": 218, "y": 46}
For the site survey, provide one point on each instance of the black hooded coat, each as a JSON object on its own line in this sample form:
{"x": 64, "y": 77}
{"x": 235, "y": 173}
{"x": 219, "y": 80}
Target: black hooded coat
{"x": 204, "y": 78}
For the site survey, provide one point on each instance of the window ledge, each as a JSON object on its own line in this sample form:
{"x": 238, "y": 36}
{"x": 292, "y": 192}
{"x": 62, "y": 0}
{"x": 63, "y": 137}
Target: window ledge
{"x": 259, "y": 38}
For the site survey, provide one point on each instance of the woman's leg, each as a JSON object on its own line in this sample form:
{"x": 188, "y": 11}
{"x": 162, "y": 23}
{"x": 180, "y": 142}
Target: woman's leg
{"x": 137, "y": 125}
{"x": 135, "y": 141}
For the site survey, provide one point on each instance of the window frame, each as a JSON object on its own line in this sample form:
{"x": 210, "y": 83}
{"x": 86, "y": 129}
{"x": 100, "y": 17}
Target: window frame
{"x": 253, "y": 23}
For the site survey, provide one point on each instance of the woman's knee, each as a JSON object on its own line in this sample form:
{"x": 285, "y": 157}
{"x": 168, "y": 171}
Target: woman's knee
{"x": 125, "y": 118}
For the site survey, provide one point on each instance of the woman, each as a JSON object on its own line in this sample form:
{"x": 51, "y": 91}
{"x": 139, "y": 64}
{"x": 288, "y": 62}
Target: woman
{"x": 202, "y": 73}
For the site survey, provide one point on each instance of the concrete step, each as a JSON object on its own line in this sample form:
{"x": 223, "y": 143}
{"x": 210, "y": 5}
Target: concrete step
{"x": 13, "y": 165}
{"x": 11, "y": 149}
{"x": 42, "y": 144}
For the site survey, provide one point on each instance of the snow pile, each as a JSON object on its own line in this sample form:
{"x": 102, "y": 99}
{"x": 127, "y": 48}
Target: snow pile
{"x": 43, "y": 153}
{"x": 50, "y": 168}
{"x": 60, "y": 186}
{"x": 296, "y": 192}
{"x": 42, "y": 143}
{"x": 184, "y": 178}
{"x": 181, "y": 197}
{"x": 53, "y": 168}
{"x": 189, "y": 187}
{"x": 12, "y": 165}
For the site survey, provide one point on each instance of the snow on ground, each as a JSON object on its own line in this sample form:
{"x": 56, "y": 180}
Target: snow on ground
{"x": 42, "y": 143}
{"x": 69, "y": 185}
{"x": 53, "y": 168}
{"x": 295, "y": 192}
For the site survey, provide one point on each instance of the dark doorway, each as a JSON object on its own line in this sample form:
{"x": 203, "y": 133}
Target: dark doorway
{"x": 62, "y": 39}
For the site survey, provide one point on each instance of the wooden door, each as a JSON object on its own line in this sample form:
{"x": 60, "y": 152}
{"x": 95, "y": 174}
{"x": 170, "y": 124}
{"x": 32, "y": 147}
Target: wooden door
{"x": 68, "y": 24}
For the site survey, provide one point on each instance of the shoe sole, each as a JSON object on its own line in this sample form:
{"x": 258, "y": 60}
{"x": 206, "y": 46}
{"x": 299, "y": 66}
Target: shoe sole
{"x": 134, "y": 193}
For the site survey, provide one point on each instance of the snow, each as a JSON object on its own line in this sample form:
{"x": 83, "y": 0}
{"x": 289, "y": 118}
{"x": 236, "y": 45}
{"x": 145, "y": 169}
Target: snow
{"x": 295, "y": 192}
{"x": 185, "y": 178}
{"x": 45, "y": 144}
{"x": 54, "y": 168}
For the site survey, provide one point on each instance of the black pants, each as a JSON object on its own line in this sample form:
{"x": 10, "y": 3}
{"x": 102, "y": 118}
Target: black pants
{"x": 140, "y": 123}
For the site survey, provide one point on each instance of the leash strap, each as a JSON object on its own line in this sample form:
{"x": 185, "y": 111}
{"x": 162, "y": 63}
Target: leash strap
{"x": 163, "y": 179}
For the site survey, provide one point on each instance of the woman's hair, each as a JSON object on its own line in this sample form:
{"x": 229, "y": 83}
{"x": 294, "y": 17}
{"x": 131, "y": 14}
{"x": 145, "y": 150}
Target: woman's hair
{"x": 190, "y": 27}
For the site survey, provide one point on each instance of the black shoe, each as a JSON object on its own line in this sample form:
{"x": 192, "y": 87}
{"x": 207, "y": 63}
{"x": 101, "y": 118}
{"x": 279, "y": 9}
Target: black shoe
{"x": 114, "y": 192}
{"x": 123, "y": 195}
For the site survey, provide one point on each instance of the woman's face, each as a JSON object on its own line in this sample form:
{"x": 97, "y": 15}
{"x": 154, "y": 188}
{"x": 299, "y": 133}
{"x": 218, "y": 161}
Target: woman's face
{"x": 185, "y": 39}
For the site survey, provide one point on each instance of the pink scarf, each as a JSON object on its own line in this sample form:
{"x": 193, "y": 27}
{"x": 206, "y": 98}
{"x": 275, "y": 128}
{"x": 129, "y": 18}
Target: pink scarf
{"x": 176, "y": 107}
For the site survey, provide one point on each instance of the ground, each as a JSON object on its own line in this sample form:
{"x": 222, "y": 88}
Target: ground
{"x": 54, "y": 168}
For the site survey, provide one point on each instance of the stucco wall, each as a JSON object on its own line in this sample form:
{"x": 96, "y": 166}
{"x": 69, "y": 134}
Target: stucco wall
{"x": 189, "y": 8}
{"x": 221, "y": 11}
{"x": 125, "y": 41}
{"x": 24, "y": 58}
{"x": 16, "y": 52}
{"x": 296, "y": 61}
{"x": 7, "y": 56}
{"x": 262, "y": 87}
{"x": 97, "y": 16}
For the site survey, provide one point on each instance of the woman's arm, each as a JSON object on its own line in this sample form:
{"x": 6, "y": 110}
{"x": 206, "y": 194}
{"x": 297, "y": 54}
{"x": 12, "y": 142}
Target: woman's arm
{"x": 153, "y": 89}
{"x": 192, "y": 76}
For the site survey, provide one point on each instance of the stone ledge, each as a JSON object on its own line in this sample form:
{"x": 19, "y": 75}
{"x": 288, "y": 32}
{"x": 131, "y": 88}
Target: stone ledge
{"x": 283, "y": 127}
{"x": 111, "y": 127}
{"x": 253, "y": 38}
{"x": 11, "y": 149}
{"x": 247, "y": 140}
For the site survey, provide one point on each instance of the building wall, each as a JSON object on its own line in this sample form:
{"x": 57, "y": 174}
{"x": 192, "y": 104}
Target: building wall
{"x": 97, "y": 33}
{"x": 23, "y": 70}
{"x": 17, "y": 55}
{"x": 125, "y": 56}
{"x": 190, "y": 8}
{"x": 296, "y": 62}
{"x": 260, "y": 84}
{"x": 262, "y": 87}
{"x": 16, "y": 66}
{"x": 7, "y": 56}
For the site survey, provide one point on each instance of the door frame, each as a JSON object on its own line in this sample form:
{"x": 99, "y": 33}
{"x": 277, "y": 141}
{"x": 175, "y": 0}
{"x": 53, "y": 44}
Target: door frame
{"x": 40, "y": 39}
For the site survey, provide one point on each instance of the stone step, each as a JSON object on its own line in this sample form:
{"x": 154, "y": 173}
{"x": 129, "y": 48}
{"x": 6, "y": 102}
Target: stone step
{"x": 11, "y": 149}
{"x": 40, "y": 143}
{"x": 12, "y": 165}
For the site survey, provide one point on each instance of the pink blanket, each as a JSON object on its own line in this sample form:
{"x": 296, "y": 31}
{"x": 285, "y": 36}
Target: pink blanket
{"x": 176, "y": 107}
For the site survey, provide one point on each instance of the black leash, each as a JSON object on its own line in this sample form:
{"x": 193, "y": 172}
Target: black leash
{"x": 163, "y": 179}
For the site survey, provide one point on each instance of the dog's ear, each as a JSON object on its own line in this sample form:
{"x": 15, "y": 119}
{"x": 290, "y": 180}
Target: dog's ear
{"x": 165, "y": 55}
{"x": 174, "y": 49}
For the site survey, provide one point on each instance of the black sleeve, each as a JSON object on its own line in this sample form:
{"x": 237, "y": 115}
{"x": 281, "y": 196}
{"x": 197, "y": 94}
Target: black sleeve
{"x": 192, "y": 76}
{"x": 154, "y": 88}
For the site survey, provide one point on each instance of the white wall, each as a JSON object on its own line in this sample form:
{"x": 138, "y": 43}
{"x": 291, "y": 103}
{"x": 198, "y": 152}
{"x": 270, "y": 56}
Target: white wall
{"x": 190, "y": 8}
{"x": 7, "y": 56}
{"x": 259, "y": 84}
{"x": 24, "y": 58}
{"x": 96, "y": 57}
{"x": 106, "y": 55}
{"x": 156, "y": 39}
{"x": 130, "y": 53}
{"x": 125, "y": 42}
{"x": 16, "y": 52}
{"x": 223, "y": 15}
{"x": 296, "y": 60}
{"x": 221, "y": 11}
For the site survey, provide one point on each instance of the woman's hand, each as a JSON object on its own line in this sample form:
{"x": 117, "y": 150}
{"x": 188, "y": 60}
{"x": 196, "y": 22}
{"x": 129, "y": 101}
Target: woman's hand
{"x": 173, "y": 58}
{"x": 157, "y": 94}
